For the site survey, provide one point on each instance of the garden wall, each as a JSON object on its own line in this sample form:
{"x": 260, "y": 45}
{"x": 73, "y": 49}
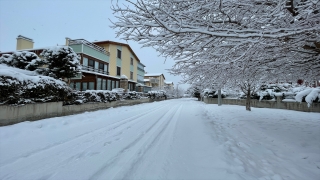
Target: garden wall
{"x": 31, "y": 112}
{"x": 278, "y": 104}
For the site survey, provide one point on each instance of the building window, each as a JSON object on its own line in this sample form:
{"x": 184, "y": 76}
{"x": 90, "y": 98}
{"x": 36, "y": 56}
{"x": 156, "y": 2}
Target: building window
{"x": 109, "y": 84}
{"x": 131, "y": 75}
{"x": 106, "y": 69}
{"x": 99, "y": 82}
{"x": 104, "y": 84}
{"x": 131, "y": 61}
{"x": 78, "y": 86}
{"x": 84, "y": 86}
{"x": 91, "y": 63}
{"x": 101, "y": 67}
{"x": 117, "y": 84}
{"x": 71, "y": 85}
{"x": 118, "y": 71}
{"x": 112, "y": 85}
{"x": 118, "y": 53}
{"x": 85, "y": 61}
{"x": 91, "y": 85}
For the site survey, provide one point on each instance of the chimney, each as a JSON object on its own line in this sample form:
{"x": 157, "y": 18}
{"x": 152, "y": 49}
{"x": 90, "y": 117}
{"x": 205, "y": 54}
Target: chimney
{"x": 24, "y": 43}
{"x": 67, "y": 41}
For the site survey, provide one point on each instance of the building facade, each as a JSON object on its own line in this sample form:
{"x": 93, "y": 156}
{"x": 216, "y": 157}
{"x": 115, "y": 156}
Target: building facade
{"x": 123, "y": 61}
{"x": 103, "y": 63}
{"x": 95, "y": 62}
{"x": 156, "y": 81}
{"x": 169, "y": 86}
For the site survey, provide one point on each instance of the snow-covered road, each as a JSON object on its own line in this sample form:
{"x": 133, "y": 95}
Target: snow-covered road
{"x": 173, "y": 139}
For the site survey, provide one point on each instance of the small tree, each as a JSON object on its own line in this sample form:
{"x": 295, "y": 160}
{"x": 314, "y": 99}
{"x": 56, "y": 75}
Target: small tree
{"x": 22, "y": 60}
{"x": 62, "y": 62}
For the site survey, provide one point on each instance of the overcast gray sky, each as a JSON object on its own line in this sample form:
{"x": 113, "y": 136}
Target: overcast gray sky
{"x": 48, "y": 22}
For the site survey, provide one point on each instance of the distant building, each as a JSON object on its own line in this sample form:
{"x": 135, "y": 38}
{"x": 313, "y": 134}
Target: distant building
{"x": 169, "y": 85}
{"x": 154, "y": 80}
{"x": 123, "y": 61}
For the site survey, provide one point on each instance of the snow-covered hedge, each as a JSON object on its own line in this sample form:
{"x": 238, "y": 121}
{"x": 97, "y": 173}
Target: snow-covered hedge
{"x": 81, "y": 97}
{"x": 210, "y": 93}
{"x": 22, "y": 60}
{"x": 19, "y": 86}
{"x": 156, "y": 94}
{"x": 271, "y": 91}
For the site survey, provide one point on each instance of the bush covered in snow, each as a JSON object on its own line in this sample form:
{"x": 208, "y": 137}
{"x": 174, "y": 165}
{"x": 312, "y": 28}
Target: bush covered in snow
{"x": 308, "y": 95}
{"x": 21, "y": 86}
{"x": 156, "y": 94}
{"x": 81, "y": 97}
{"x": 62, "y": 62}
{"x": 210, "y": 93}
{"x": 22, "y": 60}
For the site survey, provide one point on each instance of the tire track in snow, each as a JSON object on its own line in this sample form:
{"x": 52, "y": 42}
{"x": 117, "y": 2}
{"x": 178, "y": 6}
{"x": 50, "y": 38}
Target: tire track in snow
{"x": 152, "y": 141}
{"x": 80, "y": 138}
{"x": 142, "y": 138}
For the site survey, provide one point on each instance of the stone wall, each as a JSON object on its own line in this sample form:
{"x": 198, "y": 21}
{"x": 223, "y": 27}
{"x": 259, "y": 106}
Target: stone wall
{"x": 278, "y": 104}
{"x": 32, "y": 112}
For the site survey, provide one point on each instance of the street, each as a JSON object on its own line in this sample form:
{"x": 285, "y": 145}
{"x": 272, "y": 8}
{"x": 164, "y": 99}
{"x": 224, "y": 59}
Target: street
{"x": 172, "y": 139}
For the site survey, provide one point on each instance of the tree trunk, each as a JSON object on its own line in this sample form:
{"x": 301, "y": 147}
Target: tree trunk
{"x": 248, "y": 100}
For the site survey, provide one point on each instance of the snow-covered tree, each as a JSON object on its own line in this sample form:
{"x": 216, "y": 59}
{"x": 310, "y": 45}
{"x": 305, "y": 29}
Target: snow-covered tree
{"x": 309, "y": 95}
{"x": 62, "y": 62}
{"x": 186, "y": 28}
{"x": 23, "y": 60}
{"x": 228, "y": 42}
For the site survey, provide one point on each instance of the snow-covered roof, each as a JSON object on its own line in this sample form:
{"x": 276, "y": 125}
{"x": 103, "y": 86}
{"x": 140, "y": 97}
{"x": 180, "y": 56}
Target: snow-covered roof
{"x": 154, "y": 74}
{"x": 100, "y": 74}
{"x": 168, "y": 82}
{"x": 25, "y": 38}
{"x": 146, "y": 80}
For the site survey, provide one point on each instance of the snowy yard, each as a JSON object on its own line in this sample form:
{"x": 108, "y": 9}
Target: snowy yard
{"x": 173, "y": 139}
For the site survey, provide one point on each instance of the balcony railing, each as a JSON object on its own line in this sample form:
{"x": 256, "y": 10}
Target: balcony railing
{"x": 87, "y": 43}
{"x": 90, "y": 68}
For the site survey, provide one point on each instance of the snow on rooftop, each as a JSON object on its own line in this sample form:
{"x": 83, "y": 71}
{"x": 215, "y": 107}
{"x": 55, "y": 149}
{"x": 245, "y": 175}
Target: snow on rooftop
{"x": 154, "y": 74}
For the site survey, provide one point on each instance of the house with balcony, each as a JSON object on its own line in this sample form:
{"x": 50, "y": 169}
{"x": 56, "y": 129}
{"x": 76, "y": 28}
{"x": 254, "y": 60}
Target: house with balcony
{"x": 95, "y": 61}
{"x": 103, "y": 63}
{"x": 123, "y": 61}
{"x": 156, "y": 81}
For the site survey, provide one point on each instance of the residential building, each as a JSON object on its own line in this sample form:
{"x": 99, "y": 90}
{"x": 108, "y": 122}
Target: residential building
{"x": 95, "y": 67}
{"x": 103, "y": 63}
{"x": 169, "y": 86}
{"x": 156, "y": 81}
{"x": 123, "y": 61}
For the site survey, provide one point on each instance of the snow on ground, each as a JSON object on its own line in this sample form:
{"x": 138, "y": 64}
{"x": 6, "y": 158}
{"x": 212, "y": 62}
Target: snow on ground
{"x": 173, "y": 139}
